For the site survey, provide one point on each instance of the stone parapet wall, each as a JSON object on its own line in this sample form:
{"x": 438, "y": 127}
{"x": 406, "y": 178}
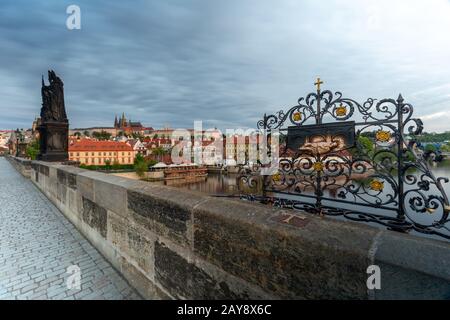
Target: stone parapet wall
{"x": 23, "y": 166}
{"x": 171, "y": 243}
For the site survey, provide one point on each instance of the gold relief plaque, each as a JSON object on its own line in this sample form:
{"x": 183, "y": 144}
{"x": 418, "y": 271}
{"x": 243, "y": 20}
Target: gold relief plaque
{"x": 321, "y": 139}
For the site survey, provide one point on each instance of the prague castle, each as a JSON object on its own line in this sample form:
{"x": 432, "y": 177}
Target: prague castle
{"x": 121, "y": 125}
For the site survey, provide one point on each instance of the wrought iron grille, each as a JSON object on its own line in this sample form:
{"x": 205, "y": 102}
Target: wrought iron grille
{"x": 341, "y": 158}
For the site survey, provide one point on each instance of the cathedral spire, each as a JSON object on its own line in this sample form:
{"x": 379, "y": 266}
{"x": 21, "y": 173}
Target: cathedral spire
{"x": 123, "y": 121}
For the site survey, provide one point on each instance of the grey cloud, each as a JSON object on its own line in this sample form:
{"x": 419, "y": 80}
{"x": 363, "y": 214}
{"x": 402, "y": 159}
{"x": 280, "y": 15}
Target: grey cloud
{"x": 227, "y": 63}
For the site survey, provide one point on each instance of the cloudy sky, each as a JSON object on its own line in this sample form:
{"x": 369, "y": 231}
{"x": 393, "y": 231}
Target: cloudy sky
{"x": 170, "y": 62}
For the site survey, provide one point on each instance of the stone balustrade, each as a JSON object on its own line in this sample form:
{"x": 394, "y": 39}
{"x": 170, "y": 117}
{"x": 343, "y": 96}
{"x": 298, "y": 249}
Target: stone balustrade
{"x": 171, "y": 243}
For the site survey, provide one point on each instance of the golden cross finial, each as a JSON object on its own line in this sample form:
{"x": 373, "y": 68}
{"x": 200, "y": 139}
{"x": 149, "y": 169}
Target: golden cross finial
{"x": 318, "y": 83}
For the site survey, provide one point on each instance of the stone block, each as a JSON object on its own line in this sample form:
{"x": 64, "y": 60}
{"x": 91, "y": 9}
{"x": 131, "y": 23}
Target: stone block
{"x": 184, "y": 280}
{"x": 165, "y": 211}
{"x": 67, "y": 178}
{"x": 62, "y": 176}
{"x": 111, "y": 196}
{"x": 318, "y": 260}
{"x": 130, "y": 242}
{"x": 95, "y": 216}
{"x": 72, "y": 200}
{"x": 399, "y": 283}
{"x": 428, "y": 256}
{"x": 43, "y": 169}
{"x": 85, "y": 186}
{"x": 61, "y": 193}
{"x": 147, "y": 288}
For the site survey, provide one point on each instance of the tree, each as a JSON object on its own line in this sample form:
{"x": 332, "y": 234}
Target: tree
{"x": 116, "y": 165}
{"x": 140, "y": 165}
{"x": 366, "y": 144}
{"x": 431, "y": 148}
{"x": 102, "y": 135}
{"x": 138, "y": 136}
{"x": 86, "y": 133}
{"x": 139, "y": 158}
{"x": 159, "y": 152}
{"x": 445, "y": 147}
{"x": 141, "y": 168}
{"x": 435, "y": 137}
{"x": 33, "y": 149}
{"x": 107, "y": 164}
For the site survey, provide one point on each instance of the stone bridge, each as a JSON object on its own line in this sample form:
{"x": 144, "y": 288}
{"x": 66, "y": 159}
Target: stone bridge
{"x": 132, "y": 239}
{"x": 38, "y": 244}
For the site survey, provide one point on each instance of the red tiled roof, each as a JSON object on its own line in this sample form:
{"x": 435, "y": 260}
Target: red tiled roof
{"x": 90, "y": 145}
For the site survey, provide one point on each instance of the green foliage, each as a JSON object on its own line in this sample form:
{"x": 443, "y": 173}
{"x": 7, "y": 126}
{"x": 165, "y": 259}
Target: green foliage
{"x": 430, "y": 148}
{"x": 107, "y": 167}
{"x": 141, "y": 168}
{"x": 115, "y": 165}
{"x": 366, "y": 144}
{"x": 410, "y": 156}
{"x": 140, "y": 165}
{"x": 139, "y": 158}
{"x": 435, "y": 137}
{"x": 445, "y": 147}
{"x": 159, "y": 151}
{"x": 102, "y": 135}
{"x": 33, "y": 150}
{"x": 86, "y": 133}
{"x": 137, "y": 135}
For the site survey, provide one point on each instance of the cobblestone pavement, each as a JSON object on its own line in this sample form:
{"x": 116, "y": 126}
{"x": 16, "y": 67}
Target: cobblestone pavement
{"x": 38, "y": 244}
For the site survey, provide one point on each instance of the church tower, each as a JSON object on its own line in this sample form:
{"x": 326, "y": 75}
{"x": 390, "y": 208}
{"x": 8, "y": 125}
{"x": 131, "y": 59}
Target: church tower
{"x": 123, "y": 121}
{"x": 116, "y": 123}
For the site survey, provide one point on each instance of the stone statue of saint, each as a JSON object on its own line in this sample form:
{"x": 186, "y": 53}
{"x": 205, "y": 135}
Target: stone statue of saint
{"x": 53, "y": 107}
{"x": 54, "y": 125}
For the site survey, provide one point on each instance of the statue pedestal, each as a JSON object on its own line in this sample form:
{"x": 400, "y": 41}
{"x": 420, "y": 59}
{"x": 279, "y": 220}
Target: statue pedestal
{"x": 22, "y": 150}
{"x": 53, "y": 141}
